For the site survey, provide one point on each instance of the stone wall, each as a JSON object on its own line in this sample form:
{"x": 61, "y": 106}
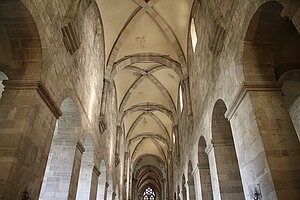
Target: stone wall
{"x": 61, "y": 74}
{"x": 220, "y": 75}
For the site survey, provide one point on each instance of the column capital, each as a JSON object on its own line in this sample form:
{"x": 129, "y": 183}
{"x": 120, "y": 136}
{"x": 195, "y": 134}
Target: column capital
{"x": 96, "y": 170}
{"x": 175, "y": 128}
{"x": 196, "y": 170}
{"x": 106, "y": 82}
{"x": 102, "y": 124}
{"x": 185, "y": 80}
{"x": 250, "y": 86}
{"x": 39, "y": 87}
{"x": 222, "y": 142}
{"x": 290, "y": 9}
{"x": 80, "y": 147}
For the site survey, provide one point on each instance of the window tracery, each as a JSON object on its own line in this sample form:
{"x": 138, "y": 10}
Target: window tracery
{"x": 149, "y": 194}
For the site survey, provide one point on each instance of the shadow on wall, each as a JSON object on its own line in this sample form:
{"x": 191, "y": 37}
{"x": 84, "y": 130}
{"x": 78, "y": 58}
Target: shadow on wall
{"x": 272, "y": 53}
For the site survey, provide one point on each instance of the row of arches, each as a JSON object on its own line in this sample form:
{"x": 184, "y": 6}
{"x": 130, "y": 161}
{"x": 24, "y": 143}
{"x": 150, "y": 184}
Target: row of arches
{"x": 217, "y": 167}
{"x": 270, "y": 59}
{"x": 70, "y": 166}
{"x": 60, "y": 171}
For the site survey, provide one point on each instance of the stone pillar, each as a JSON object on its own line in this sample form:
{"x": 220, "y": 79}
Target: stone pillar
{"x": 125, "y": 184}
{"x": 170, "y": 175}
{"x": 27, "y": 123}
{"x": 117, "y": 145}
{"x": 75, "y": 171}
{"x": 197, "y": 182}
{"x": 214, "y": 173}
{"x": 186, "y": 188}
{"x": 94, "y": 184}
{"x": 164, "y": 188}
{"x": 262, "y": 126}
{"x": 106, "y": 191}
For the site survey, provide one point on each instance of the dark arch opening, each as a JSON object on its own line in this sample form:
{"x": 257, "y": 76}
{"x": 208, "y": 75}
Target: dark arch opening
{"x": 272, "y": 53}
{"x": 191, "y": 183}
{"x": 226, "y": 160}
{"x": 204, "y": 170}
{"x": 183, "y": 188}
{"x": 20, "y": 46}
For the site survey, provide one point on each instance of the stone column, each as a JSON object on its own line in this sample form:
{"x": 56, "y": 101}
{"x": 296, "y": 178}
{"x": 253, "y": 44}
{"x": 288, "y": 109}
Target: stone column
{"x": 170, "y": 175}
{"x": 27, "y": 123}
{"x": 164, "y": 188}
{"x": 75, "y": 171}
{"x": 117, "y": 145}
{"x": 197, "y": 182}
{"x": 106, "y": 191}
{"x": 262, "y": 126}
{"x": 214, "y": 173}
{"x": 125, "y": 184}
{"x": 94, "y": 184}
{"x": 187, "y": 191}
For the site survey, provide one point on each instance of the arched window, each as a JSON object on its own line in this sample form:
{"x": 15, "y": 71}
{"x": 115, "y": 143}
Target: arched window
{"x": 180, "y": 98}
{"x": 193, "y": 35}
{"x": 149, "y": 194}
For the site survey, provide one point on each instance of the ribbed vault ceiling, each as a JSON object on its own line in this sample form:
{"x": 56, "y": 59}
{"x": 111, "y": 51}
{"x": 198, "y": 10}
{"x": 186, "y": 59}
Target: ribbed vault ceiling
{"x": 146, "y": 45}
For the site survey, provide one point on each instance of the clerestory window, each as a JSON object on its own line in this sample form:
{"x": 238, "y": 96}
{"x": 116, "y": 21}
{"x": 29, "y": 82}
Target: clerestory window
{"x": 193, "y": 35}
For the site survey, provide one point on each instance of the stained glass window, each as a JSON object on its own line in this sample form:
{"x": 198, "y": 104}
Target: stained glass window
{"x": 149, "y": 194}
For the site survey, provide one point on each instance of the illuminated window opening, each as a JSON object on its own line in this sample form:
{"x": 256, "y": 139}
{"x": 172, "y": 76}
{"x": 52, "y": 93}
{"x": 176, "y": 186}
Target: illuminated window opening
{"x": 149, "y": 194}
{"x": 180, "y": 98}
{"x": 193, "y": 35}
{"x": 174, "y": 139}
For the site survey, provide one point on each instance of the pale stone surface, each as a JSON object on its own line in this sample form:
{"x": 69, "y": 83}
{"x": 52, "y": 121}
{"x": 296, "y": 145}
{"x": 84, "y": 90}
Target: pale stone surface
{"x": 240, "y": 58}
